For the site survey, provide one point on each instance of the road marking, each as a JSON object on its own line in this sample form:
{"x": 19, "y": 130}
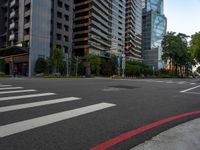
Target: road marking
{"x": 21, "y": 126}
{"x": 5, "y": 85}
{"x": 130, "y": 134}
{"x": 18, "y": 91}
{"x": 169, "y": 82}
{"x": 192, "y": 93}
{"x": 111, "y": 89}
{"x": 159, "y": 81}
{"x": 25, "y": 96}
{"x": 192, "y": 83}
{"x": 11, "y": 88}
{"x": 36, "y": 104}
{"x": 182, "y": 82}
{"x": 190, "y": 89}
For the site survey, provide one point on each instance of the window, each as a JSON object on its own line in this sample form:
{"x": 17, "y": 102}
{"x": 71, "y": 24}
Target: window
{"x": 66, "y": 28}
{"x": 60, "y": 4}
{"x": 66, "y": 38}
{"x": 66, "y": 17}
{"x": 66, "y": 7}
{"x": 66, "y": 49}
{"x": 58, "y": 46}
{"x": 58, "y": 36}
{"x": 59, "y": 26}
{"x": 59, "y": 14}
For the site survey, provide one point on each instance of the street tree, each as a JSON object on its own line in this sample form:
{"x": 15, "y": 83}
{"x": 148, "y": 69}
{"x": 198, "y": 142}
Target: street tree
{"x": 94, "y": 62}
{"x": 56, "y": 60}
{"x": 177, "y": 52}
{"x": 195, "y": 46}
{"x": 40, "y": 65}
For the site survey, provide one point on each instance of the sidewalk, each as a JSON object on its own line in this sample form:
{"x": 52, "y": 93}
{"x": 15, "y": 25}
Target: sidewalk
{"x": 182, "y": 137}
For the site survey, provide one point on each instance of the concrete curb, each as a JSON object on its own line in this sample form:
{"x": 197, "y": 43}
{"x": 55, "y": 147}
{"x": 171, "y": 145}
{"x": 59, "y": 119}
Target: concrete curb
{"x": 183, "y": 137}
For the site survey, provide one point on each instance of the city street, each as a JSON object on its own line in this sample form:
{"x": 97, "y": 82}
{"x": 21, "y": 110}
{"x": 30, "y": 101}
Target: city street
{"x": 92, "y": 114}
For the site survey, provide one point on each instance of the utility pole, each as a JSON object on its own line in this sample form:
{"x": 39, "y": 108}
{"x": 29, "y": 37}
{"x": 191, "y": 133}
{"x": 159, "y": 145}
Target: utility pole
{"x": 123, "y": 65}
{"x": 77, "y": 62}
{"x": 118, "y": 65}
{"x": 67, "y": 63}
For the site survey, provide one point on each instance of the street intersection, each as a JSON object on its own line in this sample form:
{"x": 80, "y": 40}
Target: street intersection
{"x": 80, "y": 114}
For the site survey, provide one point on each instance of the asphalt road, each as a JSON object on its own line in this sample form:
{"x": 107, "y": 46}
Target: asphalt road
{"x": 101, "y": 110}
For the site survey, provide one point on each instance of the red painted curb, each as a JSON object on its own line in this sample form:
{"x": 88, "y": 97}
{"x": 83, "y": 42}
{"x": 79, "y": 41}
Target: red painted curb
{"x": 140, "y": 130}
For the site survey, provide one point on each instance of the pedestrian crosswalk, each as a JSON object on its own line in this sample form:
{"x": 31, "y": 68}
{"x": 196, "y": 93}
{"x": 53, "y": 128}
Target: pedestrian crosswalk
{"x": 171, "y": 82}
{"x": 32, "y": 123}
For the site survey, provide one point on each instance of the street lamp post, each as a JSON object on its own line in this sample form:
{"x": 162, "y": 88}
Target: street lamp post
{"x": 123, "y": 65}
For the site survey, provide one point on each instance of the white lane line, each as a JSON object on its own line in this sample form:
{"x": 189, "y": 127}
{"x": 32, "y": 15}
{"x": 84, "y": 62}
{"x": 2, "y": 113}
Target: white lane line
{"x": 159, "y": 81}
{"x": 21, "y": 126}
{"x": 169, "y": 82}
{"x": 11, "y": 88}
{"x": 25, "y": 96}
{"x": 190, "y": 89}
{"x": 193, "y": 93}
{"x": 192, "y": 83}
{"x": 181, "y": 82}
{"x": 18, "y": 91}
{"x": 36, "y": 104}
{"x": 5, "y": 85}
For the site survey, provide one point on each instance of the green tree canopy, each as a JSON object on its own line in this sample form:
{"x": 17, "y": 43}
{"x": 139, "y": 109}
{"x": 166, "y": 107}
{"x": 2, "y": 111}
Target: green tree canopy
{"x": 40, "y": 65}
{"x": 94, "y": 62}
{"x": 195, "y": 46}
{"x": 176, "y": 51}
{"x": 56, "y": 60}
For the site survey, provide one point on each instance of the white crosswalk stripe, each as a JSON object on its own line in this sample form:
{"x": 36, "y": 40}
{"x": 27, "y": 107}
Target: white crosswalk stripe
{"x": 36, "y": 104}
{"x": 11, "y": 88}
{"x": 25, "y": 96}
{"x": 5, "y": 85}
{"x": 18, "y": 91}
{"x": 21, "y": 126}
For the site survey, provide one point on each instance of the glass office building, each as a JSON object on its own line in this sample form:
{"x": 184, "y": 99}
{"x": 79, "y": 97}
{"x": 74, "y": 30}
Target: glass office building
{"x": 154, "y": 29}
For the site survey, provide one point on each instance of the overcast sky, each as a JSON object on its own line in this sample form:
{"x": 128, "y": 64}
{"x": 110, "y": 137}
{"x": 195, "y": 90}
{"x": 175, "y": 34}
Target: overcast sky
{"x": 183, "y": 15}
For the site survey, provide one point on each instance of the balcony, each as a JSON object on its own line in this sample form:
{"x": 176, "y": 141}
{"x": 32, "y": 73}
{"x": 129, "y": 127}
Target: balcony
{"x": 12, "y": 14}
{"x": 27, "y": 13}
{"x": 12, "y": 26}
{"x": 11, "y": 37}
{"x": 27, "y": 2}
{"x": 27, "y": 25}
{"x": 13, "y": 3}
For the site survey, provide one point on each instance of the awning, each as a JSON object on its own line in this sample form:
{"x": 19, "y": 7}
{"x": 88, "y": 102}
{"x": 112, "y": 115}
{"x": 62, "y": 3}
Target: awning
{"x": 14, "y": 50}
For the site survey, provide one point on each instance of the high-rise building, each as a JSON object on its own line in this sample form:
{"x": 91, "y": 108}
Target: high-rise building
{"x": 154, "y": 29}
{"x": 134, "y": 29}
{"x": 92, "y": 27}
{"x": 30, "y": 29}
{"x": 118, "y": 26}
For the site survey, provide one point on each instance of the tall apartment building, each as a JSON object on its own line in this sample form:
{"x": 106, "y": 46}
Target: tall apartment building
{"x": 134, "y": 30}
{"x": 30, "y": 29}
{"x": 92, "y": 27}
{"x": 100, "y": 27}
{"x": 154, "y": 29}
{"x": 118, "y": 26}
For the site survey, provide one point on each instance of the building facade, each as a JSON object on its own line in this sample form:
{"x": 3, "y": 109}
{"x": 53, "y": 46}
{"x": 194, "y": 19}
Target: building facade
{"x": 118, "y": 26}
{"x": 133, "y": 41}
{"x": 92, "y": 27}
{"x": 154, "y": 29}
{"x": 30, "y": 29}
